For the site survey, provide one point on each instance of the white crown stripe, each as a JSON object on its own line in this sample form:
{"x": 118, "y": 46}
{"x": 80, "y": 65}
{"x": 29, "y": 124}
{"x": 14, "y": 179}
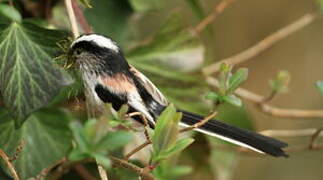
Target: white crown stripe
{"x": 99, "y": 40}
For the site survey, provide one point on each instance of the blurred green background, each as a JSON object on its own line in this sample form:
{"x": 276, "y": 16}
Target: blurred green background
{"x": 155, "y": 37}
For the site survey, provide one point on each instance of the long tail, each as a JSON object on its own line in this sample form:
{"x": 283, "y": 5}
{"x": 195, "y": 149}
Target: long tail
{"x": 245, "y": 138}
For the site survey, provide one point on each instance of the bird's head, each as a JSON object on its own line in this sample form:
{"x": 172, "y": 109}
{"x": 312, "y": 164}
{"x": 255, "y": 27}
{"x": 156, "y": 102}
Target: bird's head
{"x": 94, "y": 53}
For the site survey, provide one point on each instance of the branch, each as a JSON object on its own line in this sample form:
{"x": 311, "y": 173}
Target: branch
{"x": 200, "y": 123}
{"x": 81, "y": 18}
{"x": 218, "y": 9}
{"x": 10, "y": 166}
{"x": 71, "y": 16}
{"x": 264, "y": 44}
{"x": 291, "y": 133}
{"x": 102, "y": 172}
{"x": 83, "y": 172}
{"x": 137, "y": 149}
{"x": 124, "y": 164}
{"x": 268, "y": 109}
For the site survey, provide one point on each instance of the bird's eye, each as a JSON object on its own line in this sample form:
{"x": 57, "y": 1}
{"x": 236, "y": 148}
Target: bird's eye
{"x": 78, "y": 51}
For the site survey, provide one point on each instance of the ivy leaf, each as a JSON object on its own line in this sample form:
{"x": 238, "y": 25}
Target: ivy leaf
{"x": 46, "y": 138}
{"x": 10, "y": 12}
{"x": 29, "y": 78}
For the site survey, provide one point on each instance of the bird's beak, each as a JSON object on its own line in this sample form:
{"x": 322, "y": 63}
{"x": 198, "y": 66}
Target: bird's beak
{"x": 70, "y": 62}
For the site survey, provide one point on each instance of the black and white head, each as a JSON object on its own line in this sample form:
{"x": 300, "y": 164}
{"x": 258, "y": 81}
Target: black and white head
{"x": 97, "y": 54}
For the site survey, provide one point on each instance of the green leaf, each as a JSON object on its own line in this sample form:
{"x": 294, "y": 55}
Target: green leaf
{"x": 114, "y": 140}
{"x": 123, "y": 111}
{"x": 165, "y": 133}
{"x": 172, "y": 38}
{"x": 46, "y": 136}
{"x": 212, "y": 96}
{"x": 232, "y": 99}
{"x": 178, "y": 147}
{"x": 80, "y": 137}
{"x": 10, "y": 12}
{"x": 280, "y": 83}
{"x": 29, "y": 78}
{"x": 236, "y": 79}
{"x": 103, "y": 160}
{"x": 86, "y": 3}
{"x": 319, "y": 86}
{"x": 77, "y": 155}
{"x": 224, "y": 75}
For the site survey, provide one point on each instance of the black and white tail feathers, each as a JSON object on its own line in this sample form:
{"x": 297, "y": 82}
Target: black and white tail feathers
{"x": 245, "y": 138}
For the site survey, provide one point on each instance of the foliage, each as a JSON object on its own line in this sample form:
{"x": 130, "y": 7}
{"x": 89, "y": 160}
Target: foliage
{"x": 42, "y": 115}
{"x": 280, "y": 83}
{"x": 89, "y": 145}
{"x": 165, "y": 143}
{"x": 228, "y": 83}
{"x": 27, "y": 69}
{"x": 45, "y": 139}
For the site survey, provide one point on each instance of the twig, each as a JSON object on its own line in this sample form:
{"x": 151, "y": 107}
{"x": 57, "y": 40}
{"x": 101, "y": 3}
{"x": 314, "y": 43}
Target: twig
{"x": 249, "y": 152}
{"x": 102, "y": 172}
{"x": 140, "y": 171}
{"x": 264, "y": 44}
{"x": 65, "y": 166}
{"x": 81, "y": 18}
{"x": 45, "y": 171}
{"x": 71, "y": 16}
{"x": 314, "y": 138}
{"x": 218, "y": 9}
{"x": 10, "y": 166}
{"x": 83, "y": 172}
{"x": 268, "y": 109}
{"x": 144, "y": 119}
{"x": 291, "y": 133}
{"x": 200, "y": 123}
{"x": 137, "y": 149}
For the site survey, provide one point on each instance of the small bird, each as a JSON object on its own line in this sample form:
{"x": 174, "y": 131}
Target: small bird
{"x": 110, "y": 79}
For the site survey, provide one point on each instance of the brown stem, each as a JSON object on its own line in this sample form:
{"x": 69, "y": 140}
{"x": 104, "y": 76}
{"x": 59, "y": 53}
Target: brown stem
{"x": 263, "y": 44}
{"x": 314, "y": 138}
{"x": 124, "y": 164}
{"x": 81, "y": 18}
{"x": 102, "y": 172}
{"x": 10, "y": 166}
{"x": 291, "y": 133}
{"x": 83, "y": 172}
{"x": 218, "y": 9}
{"x": 268, "y": 109}
{"x": 137, "y": 149}
{"x": 200, "y": 123}
{"x": 71, "y": 16}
